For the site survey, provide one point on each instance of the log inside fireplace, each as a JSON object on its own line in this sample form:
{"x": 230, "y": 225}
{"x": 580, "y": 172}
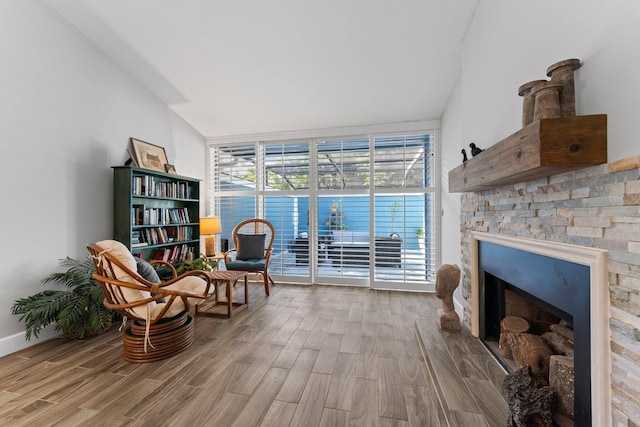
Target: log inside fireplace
{"x": 549, "y": 360}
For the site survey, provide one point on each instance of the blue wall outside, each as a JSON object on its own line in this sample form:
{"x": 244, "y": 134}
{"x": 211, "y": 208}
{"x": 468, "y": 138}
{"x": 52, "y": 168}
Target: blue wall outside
{"x": 355, "y": 215}
{"x": 280, "y": 211}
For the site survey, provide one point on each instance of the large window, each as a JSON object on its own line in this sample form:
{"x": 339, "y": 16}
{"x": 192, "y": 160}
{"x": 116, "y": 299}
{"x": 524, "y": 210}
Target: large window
{"x": 357, "y": 210}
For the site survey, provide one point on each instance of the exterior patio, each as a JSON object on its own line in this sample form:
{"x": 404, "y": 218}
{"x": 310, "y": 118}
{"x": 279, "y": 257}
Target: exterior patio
{"x": 413, "y": 268}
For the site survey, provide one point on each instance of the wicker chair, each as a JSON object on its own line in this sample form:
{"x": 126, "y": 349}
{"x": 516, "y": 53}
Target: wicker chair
{"x": 246, "y": 256}
{"x": 161, "y": 326}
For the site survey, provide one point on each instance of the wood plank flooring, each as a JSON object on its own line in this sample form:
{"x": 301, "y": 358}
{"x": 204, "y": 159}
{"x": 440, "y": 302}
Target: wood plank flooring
{"x": 305, "y": 356}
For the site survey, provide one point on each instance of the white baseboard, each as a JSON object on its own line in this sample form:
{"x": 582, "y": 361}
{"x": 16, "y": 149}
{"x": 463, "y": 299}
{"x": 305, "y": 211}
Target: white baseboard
{"x": 12, "y": 343}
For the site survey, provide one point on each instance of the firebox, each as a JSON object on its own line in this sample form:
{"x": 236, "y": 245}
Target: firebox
{"x": 560, "y": 286}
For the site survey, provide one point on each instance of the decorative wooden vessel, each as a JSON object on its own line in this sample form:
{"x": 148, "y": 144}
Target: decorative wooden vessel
{"x": 527, "y": 100}
{"x": 563, "y": 73}
{"x": 543, "y": 148}
{"x": 546, "y": 100}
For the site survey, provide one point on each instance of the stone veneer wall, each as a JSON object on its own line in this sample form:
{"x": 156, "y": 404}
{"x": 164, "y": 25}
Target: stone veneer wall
{"x": 595, "y": 207}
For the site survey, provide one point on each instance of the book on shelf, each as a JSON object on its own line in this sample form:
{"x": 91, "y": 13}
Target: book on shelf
{"x": 179, "y": 233}
{"x": 162, "y": 235}
{"x": 159, "y": 216}
{"x": 137, "y": 214}
{"x": 174, "y": 252}
{"x": 139, "y": 244}
{"x": 150, "y": 186}
{"x": 162, "y": 254}
{"x": 136, "y": 186}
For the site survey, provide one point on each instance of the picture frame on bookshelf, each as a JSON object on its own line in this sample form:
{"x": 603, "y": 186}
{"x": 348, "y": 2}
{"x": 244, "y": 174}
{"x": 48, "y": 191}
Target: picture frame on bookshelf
{"x": 149, "y": 156}
{"x": 170, "y": 169}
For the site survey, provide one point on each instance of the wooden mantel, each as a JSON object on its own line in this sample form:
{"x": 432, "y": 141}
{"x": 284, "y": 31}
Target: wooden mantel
{"x": 543, "y": 148}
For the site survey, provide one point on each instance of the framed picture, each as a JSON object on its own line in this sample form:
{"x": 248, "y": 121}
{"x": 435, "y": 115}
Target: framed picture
{"x": 149, "y": 156}
{"x": 170, "y": 169}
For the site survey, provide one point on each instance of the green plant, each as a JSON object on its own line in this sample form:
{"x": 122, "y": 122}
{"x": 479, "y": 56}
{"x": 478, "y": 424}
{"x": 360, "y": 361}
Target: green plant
{"x": 420, "y": 233}
{"x": 78, "y": 312}
{"x": 201, "y": 263}
{"x": 395, "y": 207}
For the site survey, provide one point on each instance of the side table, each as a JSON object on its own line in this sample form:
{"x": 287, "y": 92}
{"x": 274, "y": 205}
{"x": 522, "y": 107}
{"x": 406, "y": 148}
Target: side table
{"x": 207, "y": 308}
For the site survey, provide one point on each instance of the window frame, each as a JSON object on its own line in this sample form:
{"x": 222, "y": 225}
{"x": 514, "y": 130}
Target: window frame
{"x": 262, "y": 140}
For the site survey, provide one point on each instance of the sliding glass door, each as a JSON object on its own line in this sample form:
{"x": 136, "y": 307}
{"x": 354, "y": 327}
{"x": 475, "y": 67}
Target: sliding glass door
{"x": 355, "y": 211}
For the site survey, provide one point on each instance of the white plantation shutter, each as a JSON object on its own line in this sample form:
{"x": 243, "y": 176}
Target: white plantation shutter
{"x": 404, "y": 204}
{"x": 343, "y": 209}
{"x": 343, "y": 164}
{"x": 286, "y": 202}
{"x": 404, "y": 162}
{"x": 346, "y": 210}
{"x": 266, "y": 181}
{"x": 233, "y": 186}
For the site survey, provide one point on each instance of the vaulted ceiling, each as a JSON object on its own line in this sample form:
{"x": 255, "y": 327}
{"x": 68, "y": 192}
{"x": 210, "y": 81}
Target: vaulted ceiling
{"x": 251, "y": 66}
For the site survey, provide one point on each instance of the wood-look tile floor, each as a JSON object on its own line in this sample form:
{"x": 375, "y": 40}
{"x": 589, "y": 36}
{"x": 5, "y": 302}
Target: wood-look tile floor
{"x": 305, "y": 356}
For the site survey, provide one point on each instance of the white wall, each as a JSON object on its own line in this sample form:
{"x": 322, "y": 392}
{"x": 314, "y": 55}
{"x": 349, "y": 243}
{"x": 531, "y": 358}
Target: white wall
{"x": 66, "y": 115}
{"x": 451, "y": 157}
{"x": 512, "y": 42}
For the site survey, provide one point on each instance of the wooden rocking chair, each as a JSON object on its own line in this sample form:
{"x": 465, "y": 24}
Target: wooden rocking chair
{"x": 161, "y": 326}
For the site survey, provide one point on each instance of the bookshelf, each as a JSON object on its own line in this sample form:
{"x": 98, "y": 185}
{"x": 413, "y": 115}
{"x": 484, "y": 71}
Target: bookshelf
{"x": 156, "y": 214}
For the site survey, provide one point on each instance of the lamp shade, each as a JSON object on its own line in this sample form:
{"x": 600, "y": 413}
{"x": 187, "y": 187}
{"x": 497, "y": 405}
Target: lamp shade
{"x": 210, "y": 225}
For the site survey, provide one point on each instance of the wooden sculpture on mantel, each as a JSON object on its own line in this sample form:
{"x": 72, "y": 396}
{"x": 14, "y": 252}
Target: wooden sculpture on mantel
{"x": 546, "y": 99}
{"x": 447, "y": 280}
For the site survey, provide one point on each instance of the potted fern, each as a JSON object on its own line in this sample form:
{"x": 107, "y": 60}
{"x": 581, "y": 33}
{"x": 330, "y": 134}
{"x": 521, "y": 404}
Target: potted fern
{"x": 78, "y": 311}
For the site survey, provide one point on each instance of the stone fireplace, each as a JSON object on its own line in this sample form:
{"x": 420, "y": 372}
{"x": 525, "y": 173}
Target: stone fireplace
{"x": 590, "y": 217}
{"x": 569, "y": 280}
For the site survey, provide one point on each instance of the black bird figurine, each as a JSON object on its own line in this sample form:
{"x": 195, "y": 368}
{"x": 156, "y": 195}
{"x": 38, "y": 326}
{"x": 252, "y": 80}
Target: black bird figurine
{"x": 475, "y": 150}
{"x": 464, "y": 155}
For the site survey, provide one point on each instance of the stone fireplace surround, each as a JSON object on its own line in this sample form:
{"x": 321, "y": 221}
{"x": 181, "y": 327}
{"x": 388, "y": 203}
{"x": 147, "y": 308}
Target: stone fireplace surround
{"x": 597, "y": 207}
{"x": 593, "y": 290}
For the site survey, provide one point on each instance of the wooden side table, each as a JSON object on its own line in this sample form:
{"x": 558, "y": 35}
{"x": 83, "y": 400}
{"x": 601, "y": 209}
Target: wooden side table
{"x": 207, "y": 308}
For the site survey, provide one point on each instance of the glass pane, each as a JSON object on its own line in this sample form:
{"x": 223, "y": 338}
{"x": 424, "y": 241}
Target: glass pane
{"x": 403, "y": 161}
{"x": 287, "y": 166}
{"x": 344, "y": 236}
{"x": 290, "y": 217}
{"x": 235, "y": 167}
{"x": 232, "y": 210}
{"x": 343, "y": 164}
{"x": 403, "y": 227}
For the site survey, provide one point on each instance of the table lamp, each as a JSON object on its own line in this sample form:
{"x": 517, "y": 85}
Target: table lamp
{"x": 208, "y": 227}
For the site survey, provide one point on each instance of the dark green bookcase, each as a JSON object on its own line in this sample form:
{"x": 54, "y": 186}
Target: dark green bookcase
{"x": 172, "y": 206}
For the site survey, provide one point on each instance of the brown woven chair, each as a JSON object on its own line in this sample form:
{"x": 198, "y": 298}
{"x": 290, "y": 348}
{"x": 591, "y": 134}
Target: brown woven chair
{"x": 252, "y": 252}
{"x": 160, "y": 324}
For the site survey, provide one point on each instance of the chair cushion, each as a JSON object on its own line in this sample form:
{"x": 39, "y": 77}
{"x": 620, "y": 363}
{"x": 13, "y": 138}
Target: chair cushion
{"x": 250, "y": 246}
{"x": 247, "y": 265}
{"x": 122, "y": 254}
{"x": 191, "y": 284}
